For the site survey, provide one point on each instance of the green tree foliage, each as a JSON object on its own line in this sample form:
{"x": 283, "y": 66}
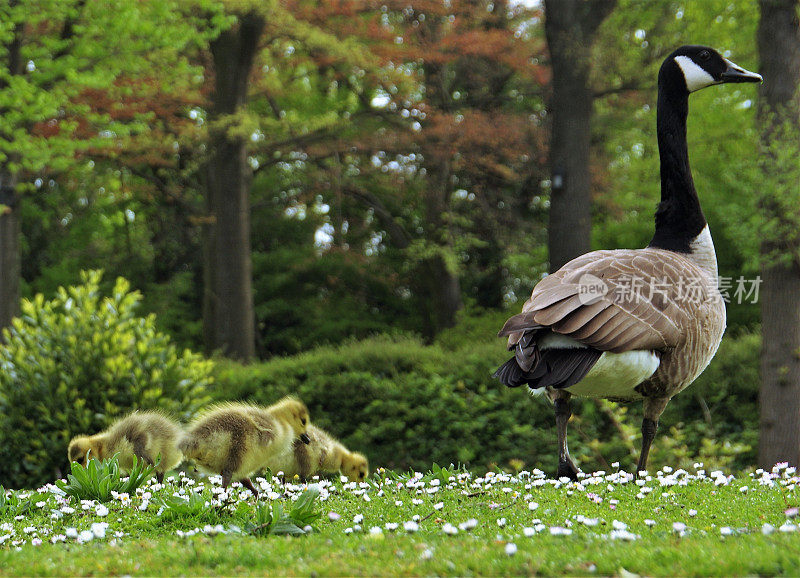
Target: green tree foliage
{"x": 73, "y": 364}
{"x": 334, "y": 292}
{"x": 67, "y": 72}
{"x": 432, "y": 152}
{"x": 72, "y": 52}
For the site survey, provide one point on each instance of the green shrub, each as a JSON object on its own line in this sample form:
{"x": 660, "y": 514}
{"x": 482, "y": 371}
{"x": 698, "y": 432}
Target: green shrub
{"x": 73, "y": 364}
{"x": 408, "y": 405}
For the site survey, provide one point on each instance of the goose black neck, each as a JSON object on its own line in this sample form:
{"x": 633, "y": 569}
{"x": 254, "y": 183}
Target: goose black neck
{"x": 679, "y": 218}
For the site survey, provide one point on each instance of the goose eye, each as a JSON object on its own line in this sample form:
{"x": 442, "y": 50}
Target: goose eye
{"x": 705, "y": 55}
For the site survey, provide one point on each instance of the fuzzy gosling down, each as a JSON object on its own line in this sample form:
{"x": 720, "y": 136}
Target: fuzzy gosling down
{"x": 237, "y": 439}
{"x": 323, "y": 454}
{"x": 148, "y": 435}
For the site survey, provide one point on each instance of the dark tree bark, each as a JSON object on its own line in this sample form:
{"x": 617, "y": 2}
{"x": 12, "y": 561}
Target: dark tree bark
{"x": 9, "y": 208}
{"x": 9, "y": 248}
{"x": 571, "y": 27}
{"x": 228, "y": 316}
{"x": 441, "y": 284}
{"x": 779, "y": 398}
{"x": 438, "y": 285}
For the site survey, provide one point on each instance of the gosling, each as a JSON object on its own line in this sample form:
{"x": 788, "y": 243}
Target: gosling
{"x": 325, "y": 454}
{"x": 148, "y": 435}
{"x": 236, "y": 439}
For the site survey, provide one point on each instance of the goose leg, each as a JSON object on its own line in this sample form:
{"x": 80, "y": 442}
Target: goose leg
{"x": 566, "y": 467}
{"x": 653, "y": 408}
{"x": 649, "y": 429}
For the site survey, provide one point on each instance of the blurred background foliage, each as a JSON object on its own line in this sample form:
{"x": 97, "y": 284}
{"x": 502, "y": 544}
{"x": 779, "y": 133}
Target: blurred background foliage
{"x": 393, "y": 145}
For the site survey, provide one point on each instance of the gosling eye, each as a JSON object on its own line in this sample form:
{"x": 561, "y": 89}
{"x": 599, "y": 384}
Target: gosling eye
{"x": 303, "y": 420}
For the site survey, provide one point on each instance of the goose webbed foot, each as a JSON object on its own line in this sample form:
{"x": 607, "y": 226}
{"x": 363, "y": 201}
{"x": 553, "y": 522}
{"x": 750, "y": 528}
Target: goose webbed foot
{"x": 567, "y": 469}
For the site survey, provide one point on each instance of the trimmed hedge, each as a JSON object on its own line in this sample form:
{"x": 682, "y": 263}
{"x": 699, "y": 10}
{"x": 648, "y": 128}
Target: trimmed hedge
{"x": 408, "y": 405}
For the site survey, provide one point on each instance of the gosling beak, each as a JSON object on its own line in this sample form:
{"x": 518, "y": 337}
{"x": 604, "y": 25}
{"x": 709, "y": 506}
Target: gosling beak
{"x": 735, "y": 73}
{"x": 305, "y": 439}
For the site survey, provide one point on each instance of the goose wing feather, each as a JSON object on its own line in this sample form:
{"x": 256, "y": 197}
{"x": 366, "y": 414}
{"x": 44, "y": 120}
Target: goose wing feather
{"x": 651, "y": 298}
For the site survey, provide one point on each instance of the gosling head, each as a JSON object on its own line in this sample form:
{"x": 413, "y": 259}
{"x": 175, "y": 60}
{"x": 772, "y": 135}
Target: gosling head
{"x": 295, "y": 413}
{"x": 355, "y": 467}
{"x": 83, "y": 448}
{"x": 702, "y": 66}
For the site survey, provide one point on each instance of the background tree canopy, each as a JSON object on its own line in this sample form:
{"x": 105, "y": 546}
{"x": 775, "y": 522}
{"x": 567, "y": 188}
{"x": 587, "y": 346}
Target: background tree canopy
{"x": 398, "y": 158}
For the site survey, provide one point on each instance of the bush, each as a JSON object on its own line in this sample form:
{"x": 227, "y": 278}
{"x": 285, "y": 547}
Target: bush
{"x": 407, "y": 405}
{"x": 404, "y": 404}
{"x": 75, "y": 363}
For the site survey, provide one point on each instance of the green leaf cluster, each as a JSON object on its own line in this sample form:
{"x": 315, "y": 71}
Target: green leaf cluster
{"x": 273, "y": 519}
{"x": 74, "y": 363}
{"x": 12, "y": 505}
{"x": 98, "y": 479}
{"x": 194, "y": 505}
{"x": 71, "y": 50}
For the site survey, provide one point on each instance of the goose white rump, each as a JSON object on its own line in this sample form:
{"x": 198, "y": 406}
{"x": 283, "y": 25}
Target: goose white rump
{"x": 614, "y": 375}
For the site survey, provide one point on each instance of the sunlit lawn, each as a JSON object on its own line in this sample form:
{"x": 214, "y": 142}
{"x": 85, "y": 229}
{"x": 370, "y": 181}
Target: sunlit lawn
{"x": 444, "y": 522}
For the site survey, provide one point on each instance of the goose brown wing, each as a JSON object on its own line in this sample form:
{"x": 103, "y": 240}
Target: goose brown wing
{"x": 618, "y": 300}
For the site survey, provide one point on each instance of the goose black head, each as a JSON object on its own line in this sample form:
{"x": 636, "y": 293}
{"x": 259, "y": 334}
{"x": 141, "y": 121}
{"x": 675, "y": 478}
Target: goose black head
{"x": 701, "y": 66}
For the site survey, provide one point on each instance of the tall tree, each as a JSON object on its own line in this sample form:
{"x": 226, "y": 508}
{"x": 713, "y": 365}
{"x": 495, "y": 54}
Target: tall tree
{"x": 245, "y": 124}
{"x": 779, "y": 112}
{"x": 228, "y": 318}
{"x": 570, "y": 27}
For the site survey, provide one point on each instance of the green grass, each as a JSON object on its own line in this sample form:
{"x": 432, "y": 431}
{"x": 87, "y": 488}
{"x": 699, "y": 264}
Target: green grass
{"x": 446, "y": 522}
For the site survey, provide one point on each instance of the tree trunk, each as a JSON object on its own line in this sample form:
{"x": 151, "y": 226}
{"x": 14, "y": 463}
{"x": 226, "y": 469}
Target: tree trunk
{"x": 228, "y": 317}
{"x": 779, "y": 397}
{"x": 441, "y": 290}
{"x": 9, "y": 249}
{"x": 10, "y": 228}
{"x": 439, "y": 284}
{"x": 570, "y": 27}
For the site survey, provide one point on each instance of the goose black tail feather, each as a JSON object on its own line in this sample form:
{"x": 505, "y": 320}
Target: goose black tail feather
{"x": 511, "y": 374}
{"x": 557, "y": 368}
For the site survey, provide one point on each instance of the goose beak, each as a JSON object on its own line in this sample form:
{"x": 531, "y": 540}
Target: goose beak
{"x": 735, "y": 73}
{"x": 305, "y": 439}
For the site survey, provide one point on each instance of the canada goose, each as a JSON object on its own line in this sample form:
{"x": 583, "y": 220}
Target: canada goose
{"x": 324, "y": 454}
{"x": 144, "y": 434}
{"x": 640, "y": 323}
{"x": 236, "y": 439}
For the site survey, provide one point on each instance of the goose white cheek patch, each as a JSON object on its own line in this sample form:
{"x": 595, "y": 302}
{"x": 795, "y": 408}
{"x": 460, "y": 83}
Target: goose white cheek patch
{"x": 696, "y": 77}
